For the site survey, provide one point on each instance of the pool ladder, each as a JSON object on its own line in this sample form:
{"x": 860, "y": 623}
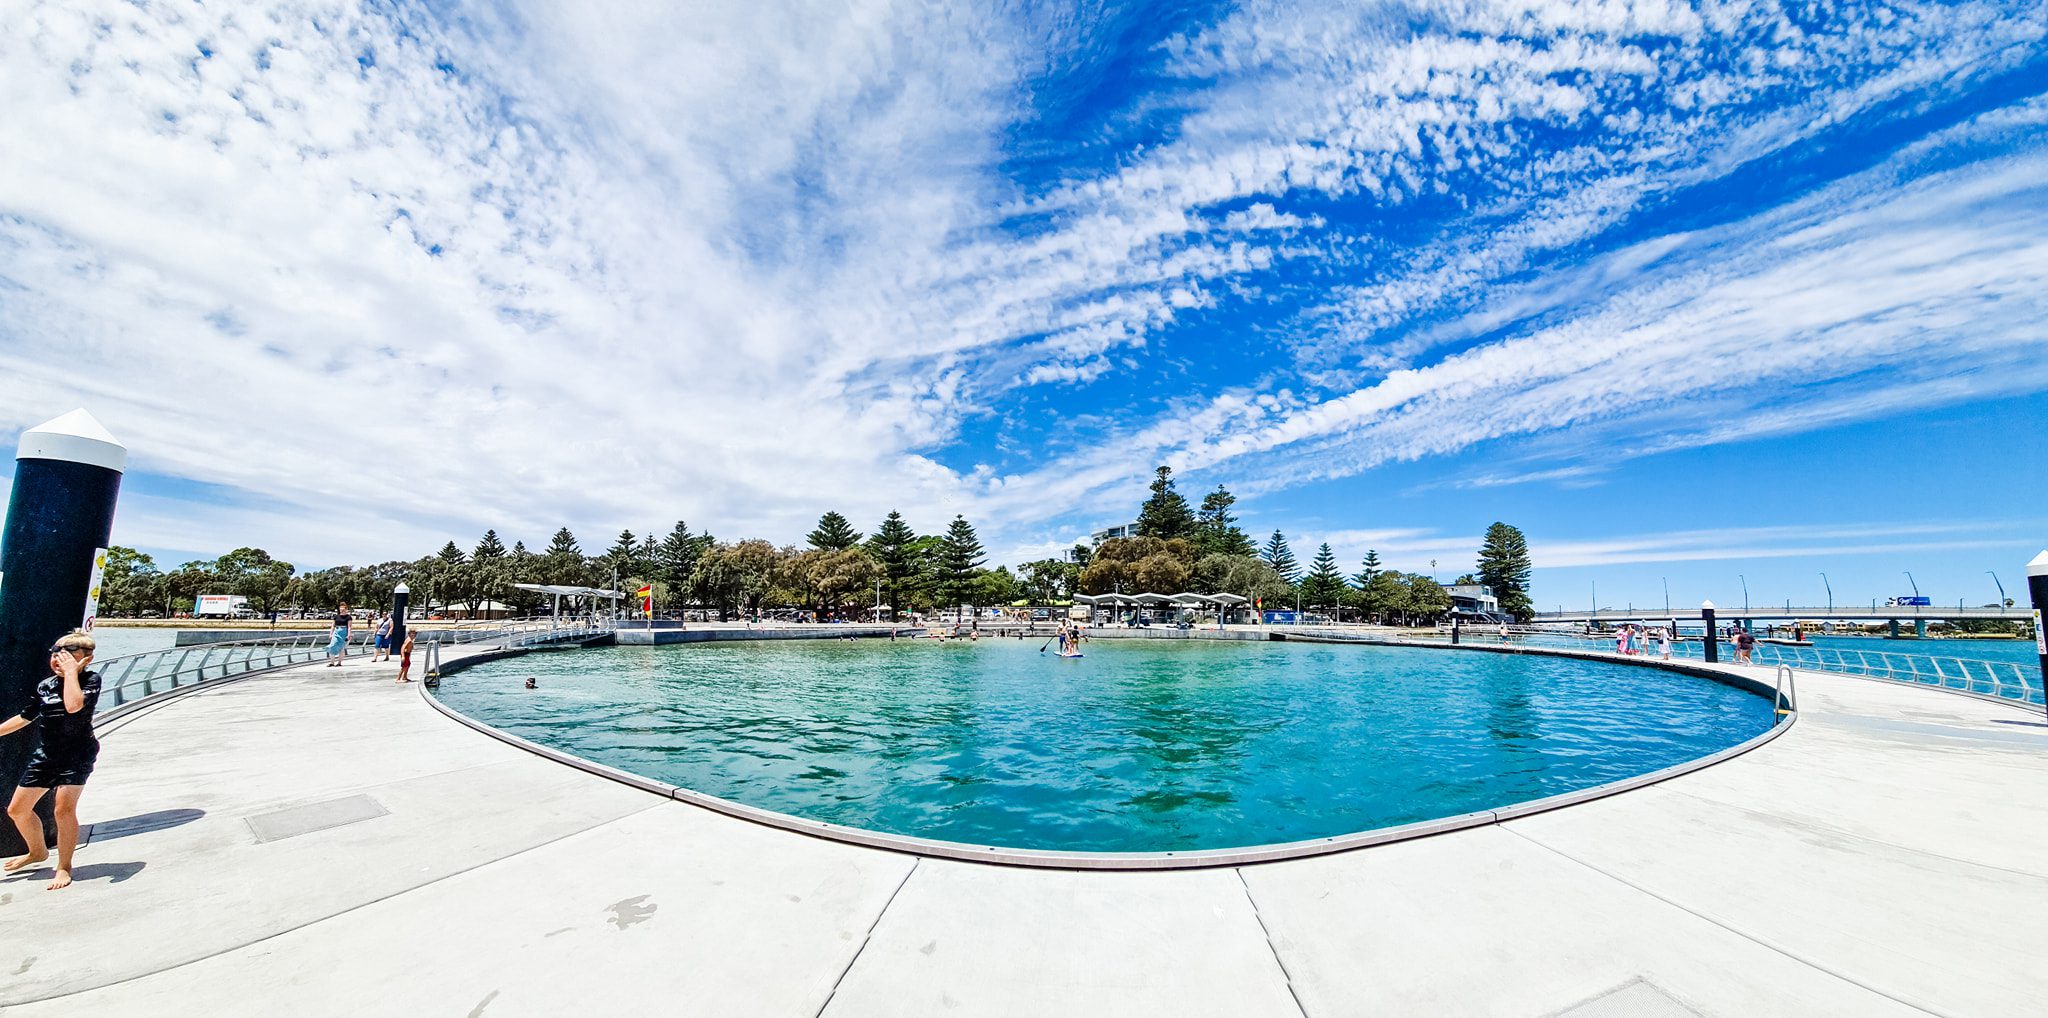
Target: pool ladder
{"x": 1785, "y": 698}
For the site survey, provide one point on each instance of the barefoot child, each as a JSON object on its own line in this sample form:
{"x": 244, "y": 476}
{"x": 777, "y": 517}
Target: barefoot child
{"x": 64, "y": 758}
{"x": 405, "y": 658}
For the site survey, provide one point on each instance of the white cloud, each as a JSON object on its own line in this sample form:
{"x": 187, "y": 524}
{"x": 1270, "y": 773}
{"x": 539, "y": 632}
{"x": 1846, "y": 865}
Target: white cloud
{"x": 388, "y": 274}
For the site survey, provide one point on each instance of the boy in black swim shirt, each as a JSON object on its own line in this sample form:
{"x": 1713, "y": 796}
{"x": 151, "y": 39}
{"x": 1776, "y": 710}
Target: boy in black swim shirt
{"x": 63, "y": 759}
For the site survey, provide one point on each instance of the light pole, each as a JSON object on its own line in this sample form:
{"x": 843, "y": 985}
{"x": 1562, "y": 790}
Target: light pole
{"x": 1667, "y": 593}
{"x": 1745, "y": 592}
{"x": 2001, "y": 589}
{"x": 1916, "y": 585}
{"x": 1831, "y": 592}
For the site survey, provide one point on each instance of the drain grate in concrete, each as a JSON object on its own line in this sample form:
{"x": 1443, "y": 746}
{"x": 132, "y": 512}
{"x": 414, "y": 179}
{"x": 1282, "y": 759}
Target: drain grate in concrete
{"x": 1637, "y": 998}
{"x": 315, "y": 816}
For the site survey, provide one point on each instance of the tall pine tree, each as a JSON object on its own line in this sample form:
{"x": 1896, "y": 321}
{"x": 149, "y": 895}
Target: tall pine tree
{"x": 489, "y": 547}
{"x": 618, "y": 559}
{"x": 1165, "y": 515}
{"x": 1363, "y": 579}
{"x": 563, "y": 561}
{"x": 1281, "y": 558}
{"x": 1323, "y": 587}
{"x": 1504, "y": 566}
{"x": 959, "y": 558}
{"x": 1216, "y": 531}
{"x": 676, "y": 559}
{"x": 834, "y": 533}
{"x": 894, "y": 546}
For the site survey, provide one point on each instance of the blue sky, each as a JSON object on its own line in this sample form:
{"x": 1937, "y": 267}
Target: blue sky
{"x": 1695, "y": 294}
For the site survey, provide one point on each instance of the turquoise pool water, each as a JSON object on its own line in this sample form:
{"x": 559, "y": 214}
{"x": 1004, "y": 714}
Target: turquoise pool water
{"x": 1139, "y": 746}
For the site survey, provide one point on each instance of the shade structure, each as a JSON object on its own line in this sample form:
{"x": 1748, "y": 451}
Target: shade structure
{"x": 564, "y": 591}
{"x": 1229, "y": 599}
{"x": 1151, "y": 599}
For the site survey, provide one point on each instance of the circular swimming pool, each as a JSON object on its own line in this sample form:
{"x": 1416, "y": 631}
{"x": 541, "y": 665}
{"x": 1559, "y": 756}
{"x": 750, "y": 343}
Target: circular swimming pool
{"x": 1140, "y": 746}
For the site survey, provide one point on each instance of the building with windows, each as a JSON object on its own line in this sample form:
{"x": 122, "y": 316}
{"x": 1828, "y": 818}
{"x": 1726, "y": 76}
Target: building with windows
{"x": 1473, "y": 599}
{"x": 1120, "y": 530}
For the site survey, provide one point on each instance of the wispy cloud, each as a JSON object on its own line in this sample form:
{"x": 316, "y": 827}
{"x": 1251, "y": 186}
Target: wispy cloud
{"x": 397, "y": 271}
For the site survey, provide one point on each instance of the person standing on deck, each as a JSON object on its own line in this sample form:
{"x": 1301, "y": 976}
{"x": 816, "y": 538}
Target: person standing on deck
{"x": 337, "y": 641}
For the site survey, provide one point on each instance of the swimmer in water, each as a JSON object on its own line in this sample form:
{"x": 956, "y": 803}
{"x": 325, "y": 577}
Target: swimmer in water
{"x": 530, "y": 684}
{"x": 63, "y": 758}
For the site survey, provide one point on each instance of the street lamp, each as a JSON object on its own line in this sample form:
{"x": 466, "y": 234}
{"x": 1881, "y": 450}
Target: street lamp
{"x": 1916, "y": 585}
{"x": 2001, "y": 589}
{"x": 1745, "y": 592}
{"x": 1831, "y": 593}
{"x": 1667, "y": 593}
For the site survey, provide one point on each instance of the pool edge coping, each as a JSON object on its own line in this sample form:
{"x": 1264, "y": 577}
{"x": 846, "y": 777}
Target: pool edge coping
{"x": 1152, "y": 861}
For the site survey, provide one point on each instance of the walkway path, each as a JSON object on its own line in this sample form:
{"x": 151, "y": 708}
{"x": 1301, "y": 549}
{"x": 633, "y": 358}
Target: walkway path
{"x": 1884, "y": 857}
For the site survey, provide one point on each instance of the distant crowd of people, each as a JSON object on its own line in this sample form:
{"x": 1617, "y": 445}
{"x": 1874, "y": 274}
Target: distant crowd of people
{"x": 1633, "y": 639}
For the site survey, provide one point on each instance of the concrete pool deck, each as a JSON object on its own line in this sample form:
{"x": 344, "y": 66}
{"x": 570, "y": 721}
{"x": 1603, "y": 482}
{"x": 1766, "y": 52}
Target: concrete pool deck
{"x": 319, "y": 841}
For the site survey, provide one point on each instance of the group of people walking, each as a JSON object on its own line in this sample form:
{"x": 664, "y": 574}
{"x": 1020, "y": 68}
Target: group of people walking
{"x": 1633, "y": 639}
{"x": 337, "y": 642}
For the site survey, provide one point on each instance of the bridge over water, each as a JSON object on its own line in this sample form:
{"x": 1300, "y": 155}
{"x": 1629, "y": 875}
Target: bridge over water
{"x": 1834, "y": 613}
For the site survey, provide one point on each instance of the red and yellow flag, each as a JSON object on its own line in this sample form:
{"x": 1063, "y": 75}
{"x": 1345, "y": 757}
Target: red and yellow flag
{"x": 646, "y": 595}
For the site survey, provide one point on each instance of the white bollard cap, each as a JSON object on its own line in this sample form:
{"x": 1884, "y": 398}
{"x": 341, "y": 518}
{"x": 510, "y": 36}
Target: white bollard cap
{"x": 1708, "y": 605}
{"x": 74, "y": 438}
{"x": 2038, "y": 567}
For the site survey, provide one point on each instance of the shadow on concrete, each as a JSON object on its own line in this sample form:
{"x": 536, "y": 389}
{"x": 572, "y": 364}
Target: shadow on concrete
{"x": 2020, "y": 724}
{"x": 141, "y": 823}
{"x": 111, "y": 872}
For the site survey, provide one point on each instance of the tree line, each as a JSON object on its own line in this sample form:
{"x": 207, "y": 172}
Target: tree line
{"x": 839, "y": 570}
{"x": 1178, "y": 547}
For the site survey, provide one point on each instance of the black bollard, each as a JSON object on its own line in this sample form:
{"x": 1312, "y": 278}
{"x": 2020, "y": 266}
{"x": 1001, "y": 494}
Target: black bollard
{"x": 67, "y": 476}
{"x": 1454, "y": 630}
{"x": 1713, "y": 648}
{"x": 399, "y": 597}
{"x": 2037, "y": 589}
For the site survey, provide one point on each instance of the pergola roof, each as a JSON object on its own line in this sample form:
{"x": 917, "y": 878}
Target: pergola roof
{"x": 1183, "y": 599}
{"x": 562, "y": 591}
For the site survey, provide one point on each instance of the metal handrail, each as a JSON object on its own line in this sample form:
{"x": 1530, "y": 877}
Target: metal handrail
{"x": 131, "y": 678}
{"x": 1787, "y": 680}
{"x": 2008, "y": 680}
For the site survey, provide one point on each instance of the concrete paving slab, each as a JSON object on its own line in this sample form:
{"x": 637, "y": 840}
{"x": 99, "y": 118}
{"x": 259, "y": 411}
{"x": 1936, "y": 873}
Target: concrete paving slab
{"x": 1881, "y": 847}
{"x": 1482, "y": 923}
{"x": 449, "y": 810}
{"x": 1945, "y": 935}
{"x": 989, "y": 942}
{"x": 668, "y": 911}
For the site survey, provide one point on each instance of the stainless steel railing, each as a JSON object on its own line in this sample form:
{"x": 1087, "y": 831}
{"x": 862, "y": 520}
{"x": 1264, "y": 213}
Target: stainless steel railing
{"x": 2010, "y": 680}
{"x": 127, "y": 680}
